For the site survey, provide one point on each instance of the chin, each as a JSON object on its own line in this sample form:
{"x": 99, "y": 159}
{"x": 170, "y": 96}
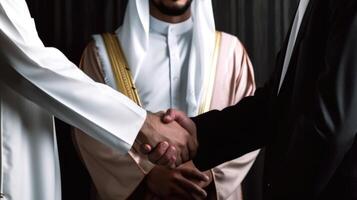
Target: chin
{"x": 178, "y": 4}
{"x": 172, "y": 7}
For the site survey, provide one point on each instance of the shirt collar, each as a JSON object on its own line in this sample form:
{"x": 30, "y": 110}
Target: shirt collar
{"x": 162, "y": 27}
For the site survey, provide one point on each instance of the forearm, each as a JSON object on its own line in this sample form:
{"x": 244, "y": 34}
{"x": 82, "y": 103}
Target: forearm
{"x": 230, "y": 133}
{"x": 106, "y": 165}
{"x": 47, "y": 78}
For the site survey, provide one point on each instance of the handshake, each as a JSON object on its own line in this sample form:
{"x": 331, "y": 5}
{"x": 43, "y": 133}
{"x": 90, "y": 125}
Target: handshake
{"x": 169, "y": 139}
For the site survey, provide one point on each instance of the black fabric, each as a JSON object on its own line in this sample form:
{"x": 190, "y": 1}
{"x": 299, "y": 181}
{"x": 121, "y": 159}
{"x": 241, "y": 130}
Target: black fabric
{"x": 309, "y": 129}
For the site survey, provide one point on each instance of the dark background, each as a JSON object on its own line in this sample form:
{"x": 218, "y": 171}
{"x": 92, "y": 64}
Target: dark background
{"x": 68, "y": 25}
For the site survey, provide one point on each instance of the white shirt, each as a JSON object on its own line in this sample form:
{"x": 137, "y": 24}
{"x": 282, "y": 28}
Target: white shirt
{"x": 36, "y": 83}
{"x": 167, "y": 60}
{"x": 293, "y": 35}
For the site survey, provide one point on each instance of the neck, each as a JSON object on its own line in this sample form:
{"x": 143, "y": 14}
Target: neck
{"x": 155, "y": 12}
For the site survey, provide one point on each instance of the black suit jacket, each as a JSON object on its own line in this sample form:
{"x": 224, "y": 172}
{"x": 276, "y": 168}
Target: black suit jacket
{"x": 309, "y": 129}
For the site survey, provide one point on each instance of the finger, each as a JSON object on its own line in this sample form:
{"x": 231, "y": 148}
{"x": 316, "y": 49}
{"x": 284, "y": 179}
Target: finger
{"x": 192, "y": 173}
{"x": 191, "y": 187}
{"x": 190, "y": 126}
{"x": 192, "y": 147}
{"x": 183, "y": 156}
{"x": 173, "y": 163}
{"x": 178, "y": 161}
{"x": 145, "y": 148}
{"x": 158, "y": 152}
{"x": 168, "y": 117}
{"x": 187, "y": 124}
{"x": 181, "y": 118}
{"x": 180, "y": 193}
{"x": 166, "y": 159}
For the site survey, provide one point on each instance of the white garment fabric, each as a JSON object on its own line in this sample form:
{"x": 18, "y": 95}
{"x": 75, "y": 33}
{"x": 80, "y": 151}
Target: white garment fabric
{"x": 293, "y": 36}
{"x": 135, "y": 38}
{"x": 35, "y": 83}
{"x": 168, "y": 55}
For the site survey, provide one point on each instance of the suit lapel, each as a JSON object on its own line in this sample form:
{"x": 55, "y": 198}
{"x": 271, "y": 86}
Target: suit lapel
{"x": 294, "y": 56}
{"x": 280, "y": 62}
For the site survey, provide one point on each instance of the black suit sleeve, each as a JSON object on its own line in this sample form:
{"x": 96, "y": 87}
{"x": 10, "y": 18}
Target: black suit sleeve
{"x": 326, "y": 132}
{"x": 227, "y": 134}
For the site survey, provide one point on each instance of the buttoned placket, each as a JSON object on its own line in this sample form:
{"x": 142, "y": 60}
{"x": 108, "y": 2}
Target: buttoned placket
{"x": 176, "y": 38}
{"x": 174, "y": 66}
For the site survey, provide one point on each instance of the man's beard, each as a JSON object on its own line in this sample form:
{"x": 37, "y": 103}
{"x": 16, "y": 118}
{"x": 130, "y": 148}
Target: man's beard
{"x": 171, "y": 11}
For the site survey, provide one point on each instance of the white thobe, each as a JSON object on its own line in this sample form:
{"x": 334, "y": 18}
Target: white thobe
{"x": 36, "y": 83}
{"x": 116, "y": 176}
{"x": 168, "y": 55}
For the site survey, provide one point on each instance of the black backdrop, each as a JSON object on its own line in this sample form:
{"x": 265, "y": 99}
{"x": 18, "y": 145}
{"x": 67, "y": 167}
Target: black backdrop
{"x": 68, "y": 25}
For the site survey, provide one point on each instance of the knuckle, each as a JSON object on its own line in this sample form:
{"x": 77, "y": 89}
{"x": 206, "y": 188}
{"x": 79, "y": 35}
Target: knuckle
{"x": 191, "y": 171}
{"x": 165, "y": 160}
{"x": 180, "y": 146}
{"x": 161, "y": 151}
{"x": 188, "y": 137}
{"x": 172, "y": 149}
{"x": 178, "y": 150}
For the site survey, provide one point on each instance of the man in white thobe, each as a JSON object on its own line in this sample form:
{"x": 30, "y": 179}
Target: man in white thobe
{"x": 38, "y": 82}
{"x": 177, "y": 59}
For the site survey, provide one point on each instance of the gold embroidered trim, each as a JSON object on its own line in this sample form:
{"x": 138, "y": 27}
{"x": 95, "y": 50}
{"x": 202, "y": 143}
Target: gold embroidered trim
{"x": 210, "y": 77}
{"x": 121, "y": 70}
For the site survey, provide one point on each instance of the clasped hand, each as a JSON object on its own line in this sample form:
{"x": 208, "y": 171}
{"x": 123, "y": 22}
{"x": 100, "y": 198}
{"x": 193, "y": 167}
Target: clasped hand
{"x": 169, "y": 139}
{"x": 183, "y": 182}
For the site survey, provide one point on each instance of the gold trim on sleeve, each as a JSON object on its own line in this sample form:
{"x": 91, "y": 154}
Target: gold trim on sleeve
{"x": 210, "y": 76}
{"x": 120, "y": 67}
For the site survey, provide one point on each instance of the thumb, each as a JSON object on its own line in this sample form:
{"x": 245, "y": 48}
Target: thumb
{"x": 145, "y": 148}
{"x": 169, "y": 116}
{"x": 181, "y": 118}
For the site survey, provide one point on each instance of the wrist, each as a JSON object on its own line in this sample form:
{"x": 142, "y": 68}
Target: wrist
{"x": 146, "y": 125}
{"x": 146, "y": 130}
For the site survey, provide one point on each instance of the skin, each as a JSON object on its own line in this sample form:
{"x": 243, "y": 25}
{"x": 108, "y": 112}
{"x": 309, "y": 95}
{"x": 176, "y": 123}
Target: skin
{"x": 182, "y": 143}
{"x": 185, "y": 181}
{"x": 156, "y": 12}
